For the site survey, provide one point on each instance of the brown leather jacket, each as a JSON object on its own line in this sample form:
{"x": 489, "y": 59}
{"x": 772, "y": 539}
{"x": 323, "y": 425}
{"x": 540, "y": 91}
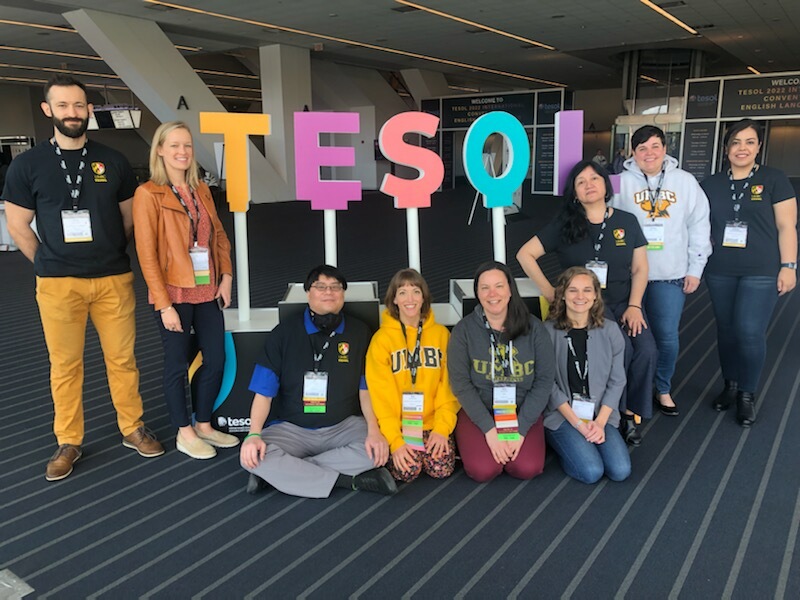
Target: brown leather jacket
{"x": 164, "y": 235}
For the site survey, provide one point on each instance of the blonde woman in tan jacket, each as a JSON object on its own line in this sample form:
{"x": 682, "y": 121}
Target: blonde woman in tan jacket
{"x": 185, "y": 259}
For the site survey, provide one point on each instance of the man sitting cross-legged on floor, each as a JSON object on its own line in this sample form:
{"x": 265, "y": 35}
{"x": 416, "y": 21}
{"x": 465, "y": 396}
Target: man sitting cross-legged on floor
{"x": 321, "y": 432}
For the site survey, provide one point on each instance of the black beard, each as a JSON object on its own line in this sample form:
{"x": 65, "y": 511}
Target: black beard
{"x": 71, "y": 132}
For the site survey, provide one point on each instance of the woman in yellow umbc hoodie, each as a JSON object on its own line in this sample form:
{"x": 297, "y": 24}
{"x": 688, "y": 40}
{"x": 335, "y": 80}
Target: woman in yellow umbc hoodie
{"x": 408, "y": 382}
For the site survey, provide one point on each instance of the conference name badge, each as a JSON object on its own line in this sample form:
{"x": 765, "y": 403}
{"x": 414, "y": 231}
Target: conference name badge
{"x": 413, "y": 403}
{"x": 77, "y": 226}
{"x": 504, "y": 405}
{"x": 315, "y": 391}
{"x": 599, "y": 268}
{"x": 200, "y": 265}
{"x": 654, "y": 232}
{"x": 735, "y": 235}
{"x": 583, "y": 407}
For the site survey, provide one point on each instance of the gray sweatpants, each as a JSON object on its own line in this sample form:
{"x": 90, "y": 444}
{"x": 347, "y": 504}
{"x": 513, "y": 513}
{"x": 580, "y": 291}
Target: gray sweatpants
{"x": 307, "y": 462}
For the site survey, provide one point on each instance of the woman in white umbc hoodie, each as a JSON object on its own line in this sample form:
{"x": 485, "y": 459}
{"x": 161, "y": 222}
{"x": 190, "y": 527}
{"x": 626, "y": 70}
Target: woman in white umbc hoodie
{"x": 673, "y": 212}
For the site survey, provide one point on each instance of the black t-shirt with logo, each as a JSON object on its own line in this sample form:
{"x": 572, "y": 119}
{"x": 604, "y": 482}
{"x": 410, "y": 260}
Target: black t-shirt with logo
{"x": 289, "y": 354}
{"x": 36, "y": 181}
{"x": 761, "y": 256}
{"x": 621, "y": 237}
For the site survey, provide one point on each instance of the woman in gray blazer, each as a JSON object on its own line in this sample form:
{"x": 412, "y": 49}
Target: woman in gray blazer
{"x": 582, "y": 415}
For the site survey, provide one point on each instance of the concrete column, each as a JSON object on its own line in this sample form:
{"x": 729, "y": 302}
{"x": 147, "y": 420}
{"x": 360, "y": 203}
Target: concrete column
{"x": 150, "y": 65}
{"x": 285, "y": 89}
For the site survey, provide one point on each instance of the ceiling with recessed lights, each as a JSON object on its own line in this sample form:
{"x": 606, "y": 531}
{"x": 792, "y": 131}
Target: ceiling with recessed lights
{"x": 478, "y": 44}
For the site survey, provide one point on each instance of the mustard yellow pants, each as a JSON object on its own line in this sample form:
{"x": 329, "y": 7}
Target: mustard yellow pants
{"x": 64, "y": 305}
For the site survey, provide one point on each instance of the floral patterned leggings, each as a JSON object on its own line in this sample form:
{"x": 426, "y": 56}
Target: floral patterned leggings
{"x": 438, "y": 468}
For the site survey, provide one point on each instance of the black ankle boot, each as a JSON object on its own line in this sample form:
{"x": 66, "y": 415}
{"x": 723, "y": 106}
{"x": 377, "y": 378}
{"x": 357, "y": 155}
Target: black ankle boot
{"x": 745, "y": 409}
{"x": 726, "y": 396}
{"x": 627, "y": 427}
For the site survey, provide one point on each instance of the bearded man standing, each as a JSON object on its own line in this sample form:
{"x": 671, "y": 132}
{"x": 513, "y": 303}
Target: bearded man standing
{"x": 81, "y": 194}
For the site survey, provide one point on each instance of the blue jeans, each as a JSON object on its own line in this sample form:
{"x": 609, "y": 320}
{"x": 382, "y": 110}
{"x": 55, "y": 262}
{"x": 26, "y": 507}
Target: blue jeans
{"x": 743, "y": 307}
{"x": 663, "y": 302}
{"x": 586, "y": 461}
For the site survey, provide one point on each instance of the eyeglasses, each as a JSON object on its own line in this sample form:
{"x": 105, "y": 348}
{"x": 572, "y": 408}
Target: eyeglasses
{"x": 322, "y": 288}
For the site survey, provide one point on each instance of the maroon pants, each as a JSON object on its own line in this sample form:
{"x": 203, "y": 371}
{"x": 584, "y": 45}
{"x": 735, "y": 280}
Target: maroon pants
{"x": 478, "y": 461}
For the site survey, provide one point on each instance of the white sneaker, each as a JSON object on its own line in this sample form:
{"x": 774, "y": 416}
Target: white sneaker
{"x": 195, "y": 448}
{"x": 218, "y": 439}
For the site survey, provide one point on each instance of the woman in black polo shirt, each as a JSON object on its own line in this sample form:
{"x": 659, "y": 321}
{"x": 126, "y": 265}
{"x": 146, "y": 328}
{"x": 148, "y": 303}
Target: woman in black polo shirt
{"x": 754, "y": 233}
{"x": 609, "y": 242}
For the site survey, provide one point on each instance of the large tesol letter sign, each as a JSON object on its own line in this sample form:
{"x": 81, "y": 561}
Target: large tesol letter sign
{"x": 498, "y": 190}
{"x": 411, "y": 193}
{"x": 310, "y": 156}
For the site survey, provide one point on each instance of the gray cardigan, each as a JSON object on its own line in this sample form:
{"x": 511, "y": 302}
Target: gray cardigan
{"x": 605, "y": 349}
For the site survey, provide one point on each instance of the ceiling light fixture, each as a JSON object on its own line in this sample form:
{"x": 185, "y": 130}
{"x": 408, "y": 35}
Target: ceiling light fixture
{"x": 234, "y": 88}
{"x": 50, "y": 52}
{"x": 22, "y": 79}
{"x": 63, "y": 29}
{"x": 463, "y": 88}
{"x": 38, "y": 26}
{"x": 666, "y": 15}
{"x": 753, "y": 70}
{"x": 237, "y": 98}
{"x": 54, "y": 70}
{"x": 224, "y": 74}
{"x": 331, "y": 38}
{"x": 90, "y": 57}
{"x": 439, "y": 13}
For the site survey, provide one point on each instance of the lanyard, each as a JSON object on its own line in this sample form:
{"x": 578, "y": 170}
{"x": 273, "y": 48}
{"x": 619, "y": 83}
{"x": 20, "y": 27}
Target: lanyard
{"x": 581, "y": 374}
{"x": 74, "y": 187}
{"x": 598, "y": 243}
{"x": 412, "y": 359}
{"x": 318, "y": 356}
{"x": 193, "y": 225}
{"x": 505, "y": 362}
{"x": 737, "y": 201}
{"x": 654, "y": 196}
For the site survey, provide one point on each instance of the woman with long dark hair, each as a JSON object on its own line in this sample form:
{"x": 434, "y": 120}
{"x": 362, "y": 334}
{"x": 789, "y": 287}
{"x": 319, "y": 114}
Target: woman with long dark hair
{"x": 754, "y": 232}
{"x": 610, "y": 243}
{"x": 501, "y": 371}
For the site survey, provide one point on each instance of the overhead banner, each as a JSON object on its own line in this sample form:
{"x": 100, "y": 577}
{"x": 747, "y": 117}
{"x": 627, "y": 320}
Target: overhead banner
{"x": 460, "y": 113}
{"x": 761, "y": 97}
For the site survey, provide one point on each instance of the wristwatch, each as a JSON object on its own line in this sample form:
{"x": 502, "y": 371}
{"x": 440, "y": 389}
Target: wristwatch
{"x": 792, "y": 265}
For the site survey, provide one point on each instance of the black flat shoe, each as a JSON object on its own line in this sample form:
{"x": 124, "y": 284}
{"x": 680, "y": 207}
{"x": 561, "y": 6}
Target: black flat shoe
{"x": 670, "y": 411}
